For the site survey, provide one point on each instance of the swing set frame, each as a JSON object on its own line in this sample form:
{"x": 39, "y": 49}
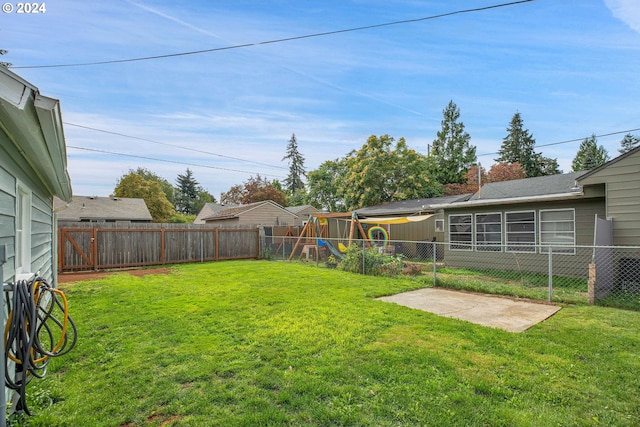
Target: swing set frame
{"x": 314, "y": 230}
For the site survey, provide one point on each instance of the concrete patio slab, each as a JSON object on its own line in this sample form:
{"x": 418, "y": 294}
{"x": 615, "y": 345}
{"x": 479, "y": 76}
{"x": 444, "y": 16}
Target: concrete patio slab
{"x": 498, "y": 312}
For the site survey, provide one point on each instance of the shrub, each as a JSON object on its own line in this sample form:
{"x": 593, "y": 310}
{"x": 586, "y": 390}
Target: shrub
{"x": 375, "y": 263}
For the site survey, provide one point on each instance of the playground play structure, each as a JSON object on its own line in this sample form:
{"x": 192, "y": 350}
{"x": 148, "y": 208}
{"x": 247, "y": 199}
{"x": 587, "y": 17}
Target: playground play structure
{"x": 315, "y": 234}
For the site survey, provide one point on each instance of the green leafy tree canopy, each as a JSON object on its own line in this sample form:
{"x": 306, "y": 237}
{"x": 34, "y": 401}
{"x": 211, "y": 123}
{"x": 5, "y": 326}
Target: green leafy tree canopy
{"x": 380, "y": 172}
{"x": 134, "y": 186}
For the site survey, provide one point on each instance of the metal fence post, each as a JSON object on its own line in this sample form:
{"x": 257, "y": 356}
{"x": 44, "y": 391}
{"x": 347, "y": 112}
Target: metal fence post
{"x": 550, "y": 274}
{"x": 364, "y": 258}
{"x": 435, "y": 274}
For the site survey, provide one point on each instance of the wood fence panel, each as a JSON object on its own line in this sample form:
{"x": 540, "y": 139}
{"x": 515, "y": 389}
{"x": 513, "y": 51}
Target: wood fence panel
{"x": 107, "y": 246}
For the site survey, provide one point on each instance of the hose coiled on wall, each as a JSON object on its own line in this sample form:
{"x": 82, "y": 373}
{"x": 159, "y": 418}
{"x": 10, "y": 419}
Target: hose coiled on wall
{"x": 38, "y": 328}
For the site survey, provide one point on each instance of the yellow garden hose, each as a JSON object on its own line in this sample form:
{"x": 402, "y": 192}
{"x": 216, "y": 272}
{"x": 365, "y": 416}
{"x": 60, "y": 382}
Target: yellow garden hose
{"x": 33, "y": 334}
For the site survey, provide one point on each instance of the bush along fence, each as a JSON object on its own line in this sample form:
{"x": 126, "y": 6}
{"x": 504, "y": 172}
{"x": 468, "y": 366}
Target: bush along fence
{"x": 100, "y": 246}
{"x": 565, "y": 274}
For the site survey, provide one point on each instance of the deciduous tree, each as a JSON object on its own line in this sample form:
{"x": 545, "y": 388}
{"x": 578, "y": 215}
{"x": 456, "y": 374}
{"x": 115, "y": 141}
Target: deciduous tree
{"x": 134, "y": 186}
{"x": 324, "y": 186}
{"x": 381, "y": 172}
{"x": 256, "y": 189}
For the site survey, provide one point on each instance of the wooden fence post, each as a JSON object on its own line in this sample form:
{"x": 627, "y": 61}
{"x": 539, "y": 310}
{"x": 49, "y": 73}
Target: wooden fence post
{"x": 592, "y": 284}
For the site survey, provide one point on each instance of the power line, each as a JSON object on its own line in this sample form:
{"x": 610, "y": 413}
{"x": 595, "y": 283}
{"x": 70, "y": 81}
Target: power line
{"x": 168, "y": 161}
{"x": 172, "y": 145}
{"x": 287, "y": 39}
{"x": 572, "y": 140}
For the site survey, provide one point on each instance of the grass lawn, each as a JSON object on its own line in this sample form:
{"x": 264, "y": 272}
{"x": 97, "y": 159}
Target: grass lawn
{"x": 258, "y": 343}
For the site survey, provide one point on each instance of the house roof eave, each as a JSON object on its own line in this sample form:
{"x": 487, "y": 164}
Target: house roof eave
{"x": 512, "y": 200}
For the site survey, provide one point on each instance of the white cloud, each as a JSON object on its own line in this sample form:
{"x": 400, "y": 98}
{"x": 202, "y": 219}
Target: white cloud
{"x": 628, "y": 11}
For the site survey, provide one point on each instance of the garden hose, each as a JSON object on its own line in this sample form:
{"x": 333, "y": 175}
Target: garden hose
{"x": 33, "y": 334}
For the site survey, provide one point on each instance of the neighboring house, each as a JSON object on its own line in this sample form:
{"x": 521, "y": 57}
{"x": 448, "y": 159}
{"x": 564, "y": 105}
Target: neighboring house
{"x": 511, "y": 223}
{"x": 302, "y": 212}
{"x": 102, "y": 209}
{"x": 33, "y": 169}
{"x": 619, "y": 180}
{"x": 253, "y": 214}
{"x": 209, "y": 210}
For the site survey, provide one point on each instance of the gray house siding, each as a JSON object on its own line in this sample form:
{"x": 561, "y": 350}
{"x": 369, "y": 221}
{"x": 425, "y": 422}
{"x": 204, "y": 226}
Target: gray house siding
{"x": 573, "y": 265}
{"x": 42, "y": 251}
{"x": 622, "y": 186}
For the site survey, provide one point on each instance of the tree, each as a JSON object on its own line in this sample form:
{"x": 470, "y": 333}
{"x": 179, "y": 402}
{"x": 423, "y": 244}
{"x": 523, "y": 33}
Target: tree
{"x": 589, "y": 155}
{"x": 190, "y": 197}
{"x": 499, "y": 172}
{"x": 4, "y": 64}
{"x": 549, "y": 166}
{"x": 167, "y": 188}
{"x": 294, "y": 183}
{"x": 628, "y": 143}
{"x": 518, "y": 147}
{"x": 187, "y": 192}
{"x": 202, "y": 197}
{"x": 134, "y": 186}
{"x": 256, "y": 189}
{"x": 379, "y": 172}
{"x": 324, "y": 186}
{"x": 471, "y": 184}
{"x": 505, "y": 172}
{"x": 452, "y": 153}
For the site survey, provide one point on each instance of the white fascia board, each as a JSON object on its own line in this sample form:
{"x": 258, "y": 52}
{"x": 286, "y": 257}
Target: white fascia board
{"x": 14, "y": 89}
{"x": 50, "y": 118}
{"x": 491, "y": 202}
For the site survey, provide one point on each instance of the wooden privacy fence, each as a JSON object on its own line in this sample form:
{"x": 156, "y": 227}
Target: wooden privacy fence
{"x": 106, "y": 246}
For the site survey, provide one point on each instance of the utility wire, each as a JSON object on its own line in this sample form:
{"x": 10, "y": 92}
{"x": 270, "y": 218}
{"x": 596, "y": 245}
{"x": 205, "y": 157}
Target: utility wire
{"x": 168, "y": 161}
{"x": 572, "y": 140}
{"x": 287, "y": 39}
{"x": 173, "y": 145}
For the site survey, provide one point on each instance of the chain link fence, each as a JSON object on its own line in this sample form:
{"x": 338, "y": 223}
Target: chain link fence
{"x": 608, "y": 276}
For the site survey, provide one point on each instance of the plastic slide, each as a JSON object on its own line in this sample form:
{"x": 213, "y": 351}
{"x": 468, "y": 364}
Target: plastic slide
{"x": 331, "y": 248}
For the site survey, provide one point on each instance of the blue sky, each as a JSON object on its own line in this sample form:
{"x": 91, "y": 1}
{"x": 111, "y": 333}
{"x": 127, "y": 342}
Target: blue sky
{"x": 571, "y": 68}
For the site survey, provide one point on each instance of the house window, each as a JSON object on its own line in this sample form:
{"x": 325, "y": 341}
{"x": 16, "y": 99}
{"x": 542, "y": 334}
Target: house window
{"x": 23, "y": 230}
{"x": 439, "y": 225}
{"x": 489, "y": 232}
{"x": 520, "y": 231}
{"x": 460, "y": 232}
{"x": 557, "y": 229}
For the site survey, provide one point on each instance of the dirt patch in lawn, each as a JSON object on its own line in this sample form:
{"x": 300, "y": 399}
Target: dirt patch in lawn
{"x": 92, "y": 275}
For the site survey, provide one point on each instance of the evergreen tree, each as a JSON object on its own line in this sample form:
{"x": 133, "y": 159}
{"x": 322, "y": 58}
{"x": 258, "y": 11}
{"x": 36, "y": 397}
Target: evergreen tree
{"x": 589, "y": 155}
{"x": 548, "y": 166}
{"x": 628, "y": 143}
{"x": 518, "y": 147}
{"x": 2, "y": 63}
{"x": 452, "y": 154}
{"x": 187, "y": 193}
{"x": 293, "y": 183}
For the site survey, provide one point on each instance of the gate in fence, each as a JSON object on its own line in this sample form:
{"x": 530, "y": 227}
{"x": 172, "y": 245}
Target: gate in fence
{"x": 106, "y": 246}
